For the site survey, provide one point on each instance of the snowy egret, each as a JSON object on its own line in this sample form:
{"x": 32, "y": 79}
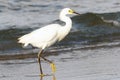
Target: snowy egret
{"x": 48, "y": 35}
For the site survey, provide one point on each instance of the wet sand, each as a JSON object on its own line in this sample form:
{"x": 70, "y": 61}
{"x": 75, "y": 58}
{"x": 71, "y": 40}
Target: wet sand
{"x": 90, "y": 64}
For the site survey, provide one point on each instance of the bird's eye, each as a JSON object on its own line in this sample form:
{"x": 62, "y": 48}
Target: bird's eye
{"x": 70, "y": 11}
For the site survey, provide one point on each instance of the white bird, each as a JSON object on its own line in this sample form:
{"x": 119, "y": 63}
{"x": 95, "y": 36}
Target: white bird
{"x": 46, "y": 36}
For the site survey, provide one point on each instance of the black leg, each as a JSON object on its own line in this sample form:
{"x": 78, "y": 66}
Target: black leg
{"x": 53, "y": 67}
{"x": 46, "y": 59}
{"x": 39, "y": 61}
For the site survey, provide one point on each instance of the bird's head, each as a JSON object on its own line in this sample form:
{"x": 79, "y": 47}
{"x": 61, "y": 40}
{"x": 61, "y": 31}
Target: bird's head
{"x": 68, "y": 11}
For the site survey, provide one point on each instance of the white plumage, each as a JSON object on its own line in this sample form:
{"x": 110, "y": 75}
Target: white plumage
{"x": 48, "y": 35}
{"x": 41, "y": 38}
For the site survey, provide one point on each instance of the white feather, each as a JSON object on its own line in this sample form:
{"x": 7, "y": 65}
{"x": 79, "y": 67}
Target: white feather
{"x": 48, "y": 35}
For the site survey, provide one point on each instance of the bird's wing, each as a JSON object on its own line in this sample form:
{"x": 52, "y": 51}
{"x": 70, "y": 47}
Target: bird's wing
{"x": 43, "y": 34}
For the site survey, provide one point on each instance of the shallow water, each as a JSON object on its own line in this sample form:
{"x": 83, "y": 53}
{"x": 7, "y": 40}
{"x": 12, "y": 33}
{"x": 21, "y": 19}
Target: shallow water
{"x": 90, "y": 64}
{"x": 89, "y": 52}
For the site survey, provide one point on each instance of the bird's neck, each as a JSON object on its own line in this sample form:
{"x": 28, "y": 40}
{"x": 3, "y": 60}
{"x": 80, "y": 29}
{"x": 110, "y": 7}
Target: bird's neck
{"x": 67, "y": 20}
{"x": 64, "y": 30}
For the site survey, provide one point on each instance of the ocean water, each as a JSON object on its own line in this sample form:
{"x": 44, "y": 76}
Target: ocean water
{"x": 93, "y": 44}
{"x": 97, "y": 26}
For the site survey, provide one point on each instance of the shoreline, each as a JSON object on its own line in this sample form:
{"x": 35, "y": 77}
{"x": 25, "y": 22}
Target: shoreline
{"x": 90, "y": 64}
{"x": 52, "y": 52}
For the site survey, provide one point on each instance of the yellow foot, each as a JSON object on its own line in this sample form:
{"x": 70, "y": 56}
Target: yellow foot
{"x": 53, "y": 67}
{"x": 54, "y": 78}
{"x": 42, "y": 75}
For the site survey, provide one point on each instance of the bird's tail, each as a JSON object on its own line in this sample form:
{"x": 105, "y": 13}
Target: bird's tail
{"x": 24, "y": 40}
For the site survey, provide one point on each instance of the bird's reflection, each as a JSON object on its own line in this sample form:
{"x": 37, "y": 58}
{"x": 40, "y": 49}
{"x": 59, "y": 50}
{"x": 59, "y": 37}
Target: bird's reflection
{"x": 51, "y": 76}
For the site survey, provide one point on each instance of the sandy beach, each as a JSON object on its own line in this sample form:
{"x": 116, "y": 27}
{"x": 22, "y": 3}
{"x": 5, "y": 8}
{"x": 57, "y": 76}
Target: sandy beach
{"x": 90, "y": 64}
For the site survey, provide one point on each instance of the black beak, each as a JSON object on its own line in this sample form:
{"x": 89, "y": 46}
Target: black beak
{"x": 76, "y": 13}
